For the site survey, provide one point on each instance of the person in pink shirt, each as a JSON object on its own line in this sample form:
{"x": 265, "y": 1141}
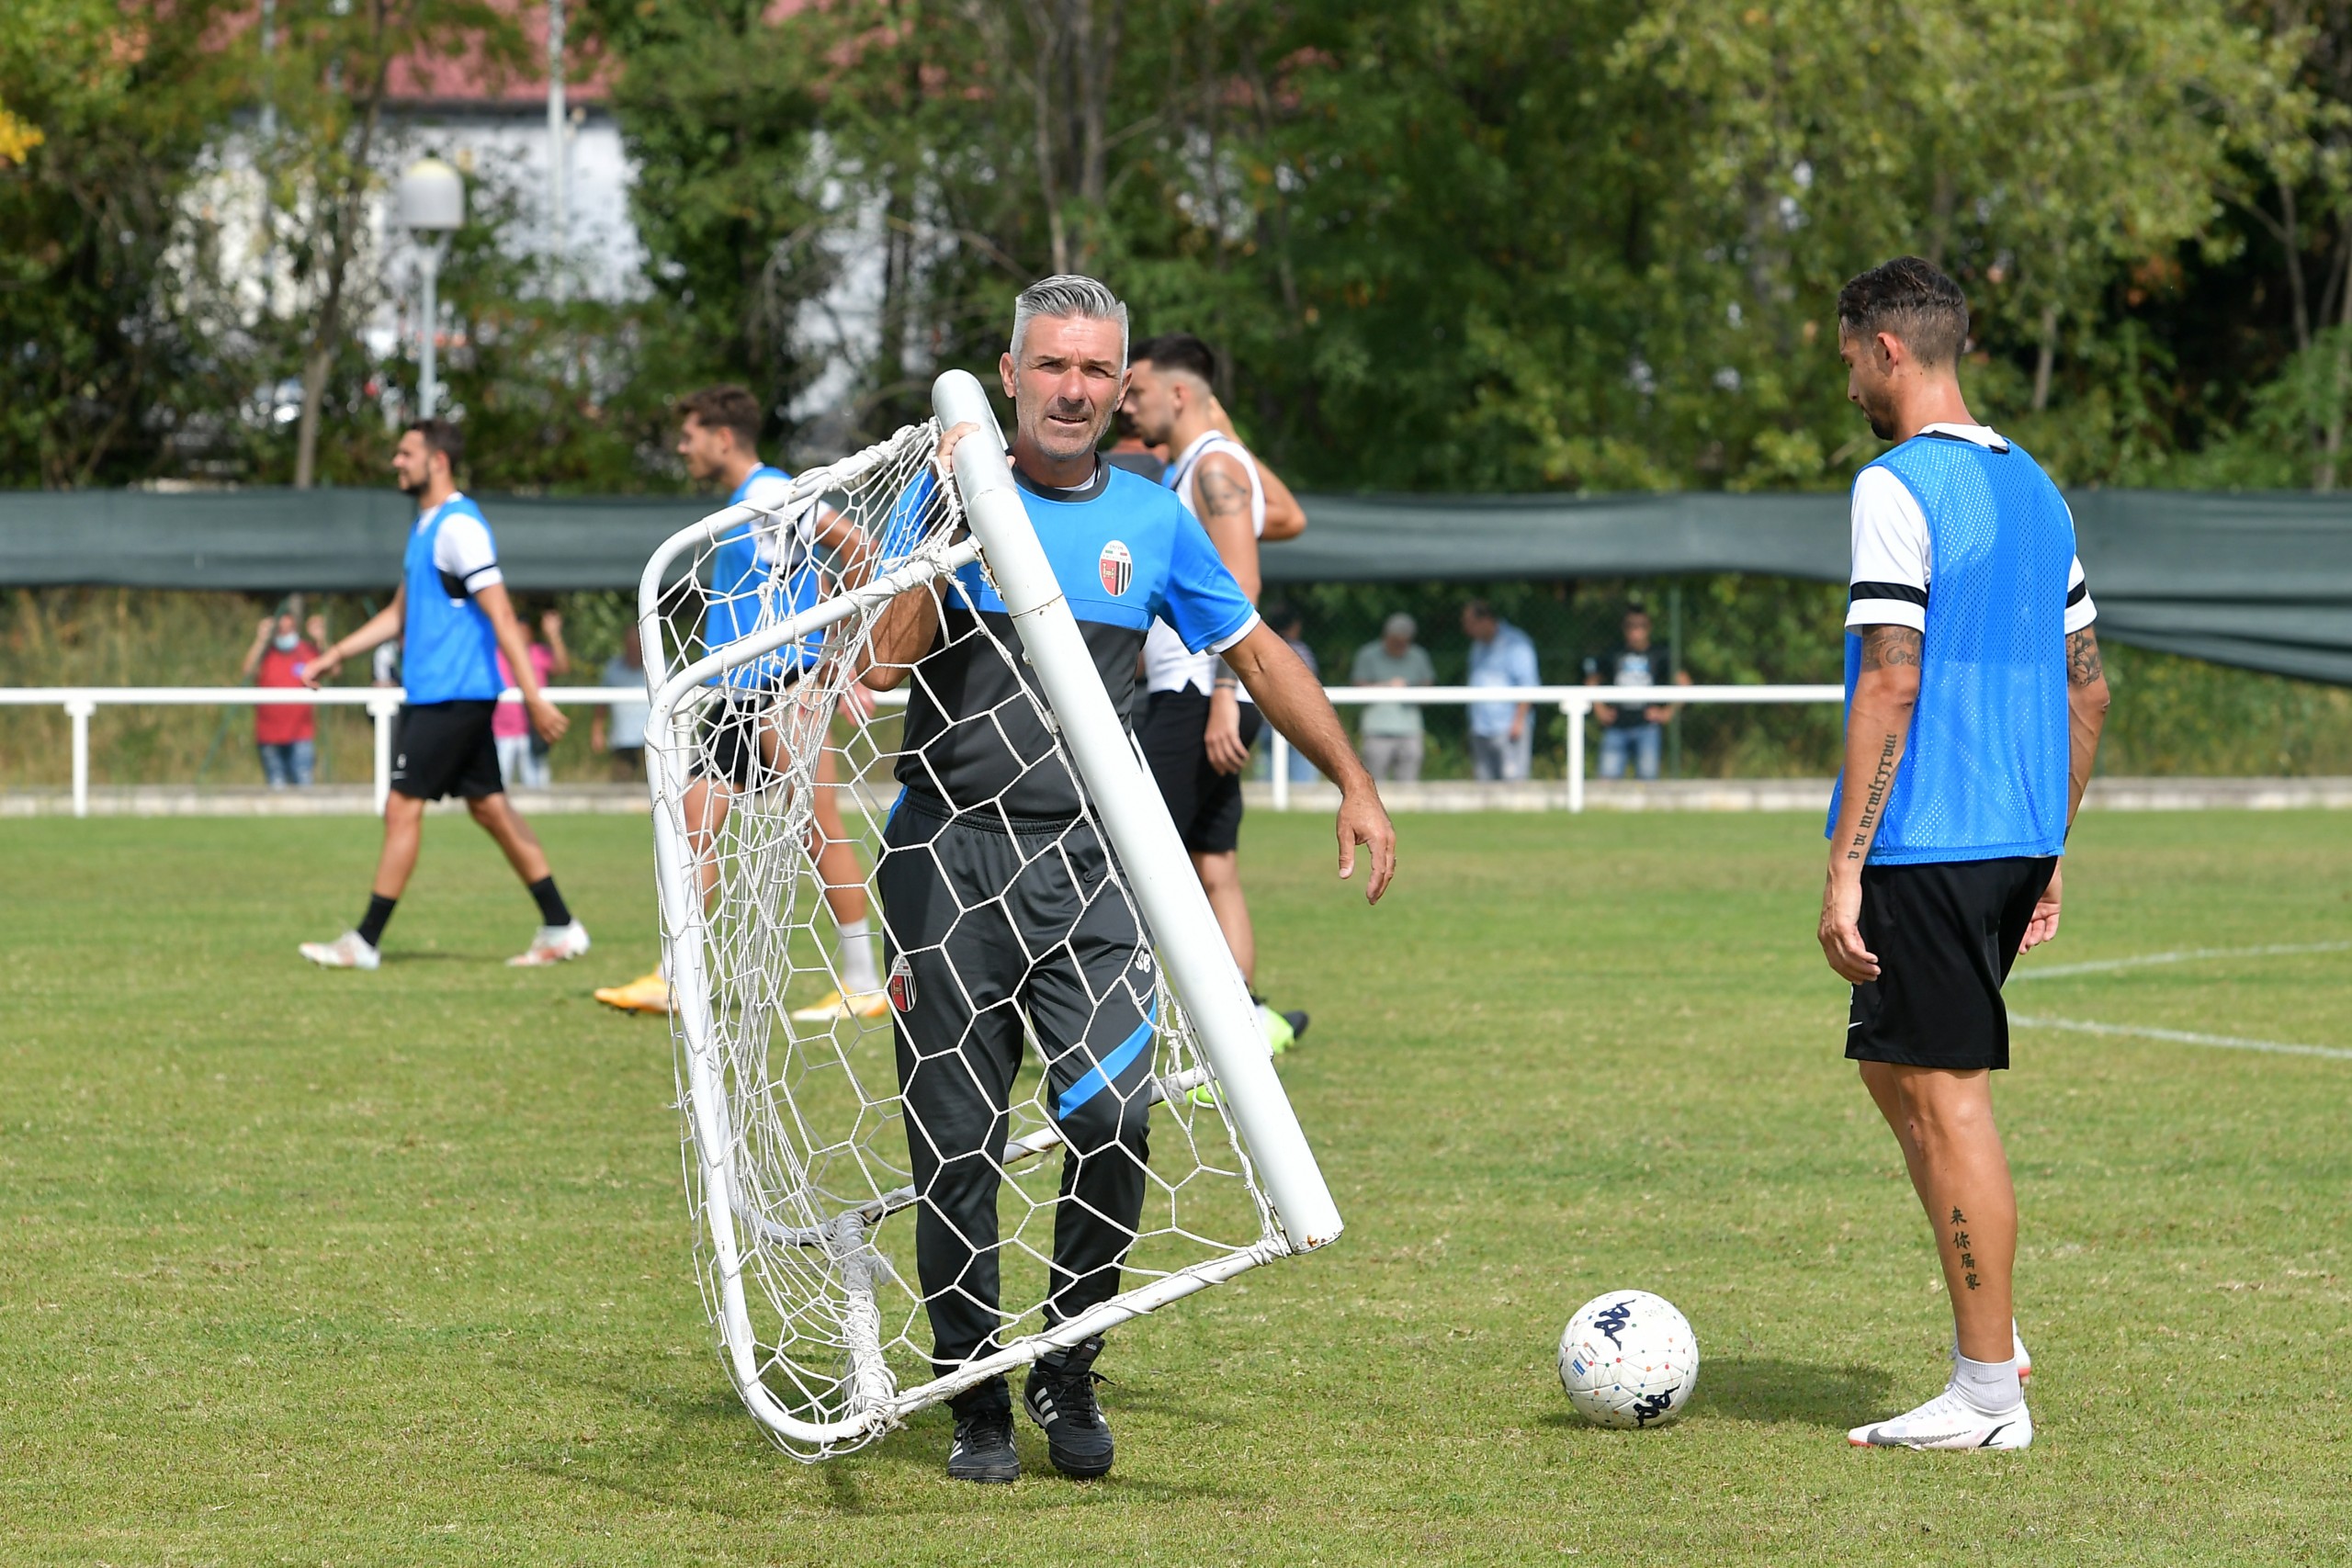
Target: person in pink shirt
{"x": 286, "y": 734}
{"x": 521, "y": 755}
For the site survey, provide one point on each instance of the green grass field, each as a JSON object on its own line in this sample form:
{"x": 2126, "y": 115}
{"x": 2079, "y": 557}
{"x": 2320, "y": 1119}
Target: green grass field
{"x": 395, "y": 1268}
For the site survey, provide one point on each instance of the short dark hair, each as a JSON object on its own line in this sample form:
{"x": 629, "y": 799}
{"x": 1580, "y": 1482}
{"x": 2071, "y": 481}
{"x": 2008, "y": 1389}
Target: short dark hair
{"x": 441, "y": 436}
{"x": 1177, "y": 351}
{"x": 1633, "y": 609}
{"x": 1914, "y": 301}
{"x": 725, "y": 408}
{"x": 1479, "y": 608}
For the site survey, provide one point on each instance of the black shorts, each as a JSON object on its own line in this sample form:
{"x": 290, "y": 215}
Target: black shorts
{"x": 1204, "y": 803}
{"x": 730, "y": 750}
{"x": 443, "y": 748}
{"x": 994, "y": 931}
{"x": 1945, "y": 934}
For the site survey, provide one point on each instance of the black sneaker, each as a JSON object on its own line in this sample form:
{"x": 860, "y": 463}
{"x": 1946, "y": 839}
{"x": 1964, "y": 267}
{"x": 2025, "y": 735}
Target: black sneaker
{"x": 983, "y": 1447}
{"x": 1061, "y": 1398}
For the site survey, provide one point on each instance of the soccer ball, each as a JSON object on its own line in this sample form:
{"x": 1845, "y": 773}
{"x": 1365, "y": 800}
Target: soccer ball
{"x": 1628, "y": 1358}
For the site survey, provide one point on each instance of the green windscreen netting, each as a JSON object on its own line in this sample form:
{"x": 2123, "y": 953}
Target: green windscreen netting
{"x": 2262, "y": 580}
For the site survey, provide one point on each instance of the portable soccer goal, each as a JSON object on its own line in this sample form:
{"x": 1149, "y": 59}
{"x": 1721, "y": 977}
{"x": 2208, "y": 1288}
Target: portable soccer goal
{"x": 797, "y": 1143}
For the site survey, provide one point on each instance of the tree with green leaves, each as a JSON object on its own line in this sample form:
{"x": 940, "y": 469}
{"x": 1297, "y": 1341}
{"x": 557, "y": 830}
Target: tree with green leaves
{"x": 104, "y": 115}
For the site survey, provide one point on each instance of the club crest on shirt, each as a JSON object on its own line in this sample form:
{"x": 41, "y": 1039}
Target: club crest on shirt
{"x": 901, "y": 984}
{"x": 1117, "y": 567}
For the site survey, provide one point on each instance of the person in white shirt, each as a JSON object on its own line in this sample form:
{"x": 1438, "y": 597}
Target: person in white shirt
{"x": 455, "y": 621}
{"x": 1198, "y": 724}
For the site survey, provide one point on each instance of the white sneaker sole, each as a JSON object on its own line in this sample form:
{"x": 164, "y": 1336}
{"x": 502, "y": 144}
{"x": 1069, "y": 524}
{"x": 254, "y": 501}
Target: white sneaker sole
{"x": 539, "y": 956}
{"x": 836, "y": 1014}
{"x": 2006, "y": 1435}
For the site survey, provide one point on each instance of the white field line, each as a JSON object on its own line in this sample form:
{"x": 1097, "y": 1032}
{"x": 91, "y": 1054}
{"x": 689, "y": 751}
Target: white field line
{"x": 2179, "y": 1036}
{"x": 2103, "y": 966}
{"x": 2182, "y": 1037}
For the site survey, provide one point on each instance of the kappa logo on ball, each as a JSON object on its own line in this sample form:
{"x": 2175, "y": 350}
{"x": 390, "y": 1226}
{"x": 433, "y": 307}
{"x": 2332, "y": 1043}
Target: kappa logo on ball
{"x": 1117, "y": 567}
{"x": 901, "y": 985}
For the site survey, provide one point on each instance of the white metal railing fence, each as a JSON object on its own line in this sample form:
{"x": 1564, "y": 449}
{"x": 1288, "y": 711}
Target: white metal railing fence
{"x": 383, "y": 704}
{"x": 1575, "y": 701}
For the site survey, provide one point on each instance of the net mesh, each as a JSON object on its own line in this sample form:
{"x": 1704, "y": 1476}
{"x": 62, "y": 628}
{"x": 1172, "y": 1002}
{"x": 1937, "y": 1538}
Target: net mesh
{"x": 1020, "y": 953}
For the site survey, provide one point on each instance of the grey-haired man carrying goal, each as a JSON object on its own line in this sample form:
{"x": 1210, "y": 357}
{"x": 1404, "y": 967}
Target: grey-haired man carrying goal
{"x": 999, "y": 911}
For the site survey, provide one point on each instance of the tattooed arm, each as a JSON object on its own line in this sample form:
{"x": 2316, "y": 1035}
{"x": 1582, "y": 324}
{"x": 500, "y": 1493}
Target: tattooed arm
{"x": 2085, "y": 716}
{"x": 2087, "y": 701}
{"x": 1877, "y": 725}
{"x": 1222, "y": 489}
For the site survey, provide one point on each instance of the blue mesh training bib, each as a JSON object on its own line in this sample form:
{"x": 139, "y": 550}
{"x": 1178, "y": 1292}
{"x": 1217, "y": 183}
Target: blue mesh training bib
{"x": 1984, "y": 776}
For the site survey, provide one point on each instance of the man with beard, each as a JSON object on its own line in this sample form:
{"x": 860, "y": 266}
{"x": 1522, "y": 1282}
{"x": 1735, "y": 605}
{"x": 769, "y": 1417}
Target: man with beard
{"x": 1198, "y": 724}
{"x": 1973, "y": 703}
{"x": 454, "y": 618}
{"x": 762, "y": 571}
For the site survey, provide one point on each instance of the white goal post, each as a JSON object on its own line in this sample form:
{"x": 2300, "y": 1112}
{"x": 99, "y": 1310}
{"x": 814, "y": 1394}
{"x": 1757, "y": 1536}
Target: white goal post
{"x": 798, "y": 1151}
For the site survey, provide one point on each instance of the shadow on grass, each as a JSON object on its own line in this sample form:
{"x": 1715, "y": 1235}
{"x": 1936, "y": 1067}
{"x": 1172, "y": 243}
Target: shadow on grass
{"x": 1765, "y": 1388}
{"x": 703, "y": 1438}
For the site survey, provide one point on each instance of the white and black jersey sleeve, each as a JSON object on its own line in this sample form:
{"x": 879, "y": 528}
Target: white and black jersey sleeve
{"x": 1892, "y": 554}
{"x": 1893, "y": 560}
{"x": 463, "y": 555}
{"x": 2080, "y": 611}
{"x": 783, "y": 539}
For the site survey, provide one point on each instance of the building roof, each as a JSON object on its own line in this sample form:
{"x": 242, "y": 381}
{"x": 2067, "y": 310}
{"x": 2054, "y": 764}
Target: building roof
{"x": 468, "y": 77}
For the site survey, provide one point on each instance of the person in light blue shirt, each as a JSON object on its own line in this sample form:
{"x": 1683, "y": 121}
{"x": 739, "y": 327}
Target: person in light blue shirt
{"x": 1502, "y": 734}
{"x": 1975, "y": 701}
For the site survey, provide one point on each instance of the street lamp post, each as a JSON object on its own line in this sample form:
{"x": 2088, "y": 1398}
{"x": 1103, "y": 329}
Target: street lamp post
{"x": 430, "y": 203}
{"x": 558, "y": 150}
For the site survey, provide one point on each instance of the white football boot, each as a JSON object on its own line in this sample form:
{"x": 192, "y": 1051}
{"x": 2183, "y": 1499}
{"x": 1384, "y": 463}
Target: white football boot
{"x": 554, "y": 944}
{"x": 349, "y": 950}
{"x": 1948, "y": 1421}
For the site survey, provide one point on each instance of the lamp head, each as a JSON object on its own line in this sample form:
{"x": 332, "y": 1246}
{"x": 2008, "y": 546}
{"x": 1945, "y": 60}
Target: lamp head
{"x": 430, "y": 198}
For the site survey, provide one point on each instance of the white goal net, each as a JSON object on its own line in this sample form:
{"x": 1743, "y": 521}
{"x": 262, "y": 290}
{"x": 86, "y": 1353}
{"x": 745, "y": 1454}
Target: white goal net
{"x": 953, "y": 1127}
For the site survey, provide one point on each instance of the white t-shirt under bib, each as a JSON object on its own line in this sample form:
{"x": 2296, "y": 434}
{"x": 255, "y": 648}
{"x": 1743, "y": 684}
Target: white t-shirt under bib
{"x": 1168, "y": 664}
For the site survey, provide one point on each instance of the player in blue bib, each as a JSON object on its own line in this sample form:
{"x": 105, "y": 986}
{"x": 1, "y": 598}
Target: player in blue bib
{"x": 453, "y": 616}
{"x": 1974, "y": 700}
{"x": 991, "y": 873}
{"x": 766, "y": 570}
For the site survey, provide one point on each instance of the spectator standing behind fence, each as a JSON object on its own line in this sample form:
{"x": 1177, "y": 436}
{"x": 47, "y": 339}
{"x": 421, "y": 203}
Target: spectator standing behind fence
{"x": 1635, "y": 726}
{"x": 521, "y": 755}
{"x": 286, "y": 734}
{"x": 1502, "y": 735}
{"x": 620, "y": 729}
{"x": 1392, "y": 731}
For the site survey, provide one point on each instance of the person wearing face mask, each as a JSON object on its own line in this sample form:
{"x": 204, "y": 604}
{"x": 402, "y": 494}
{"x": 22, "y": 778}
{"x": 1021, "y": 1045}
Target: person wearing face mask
{"x": 286, "y": 734}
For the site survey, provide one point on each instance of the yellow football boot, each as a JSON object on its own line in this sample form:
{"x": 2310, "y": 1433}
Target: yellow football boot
{"x": 834, "y": 1006}
{"x": 647, "y": 993}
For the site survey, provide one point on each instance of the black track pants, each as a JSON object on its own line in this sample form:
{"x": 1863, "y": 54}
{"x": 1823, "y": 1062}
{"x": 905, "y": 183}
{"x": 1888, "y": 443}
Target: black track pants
{"x": 982, "y": 927}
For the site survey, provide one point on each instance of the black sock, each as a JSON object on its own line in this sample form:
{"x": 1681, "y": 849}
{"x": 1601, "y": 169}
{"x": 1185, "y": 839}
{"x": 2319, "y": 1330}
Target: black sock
{"x": 551, "y": 908}
{"x": 379, "y": 914}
